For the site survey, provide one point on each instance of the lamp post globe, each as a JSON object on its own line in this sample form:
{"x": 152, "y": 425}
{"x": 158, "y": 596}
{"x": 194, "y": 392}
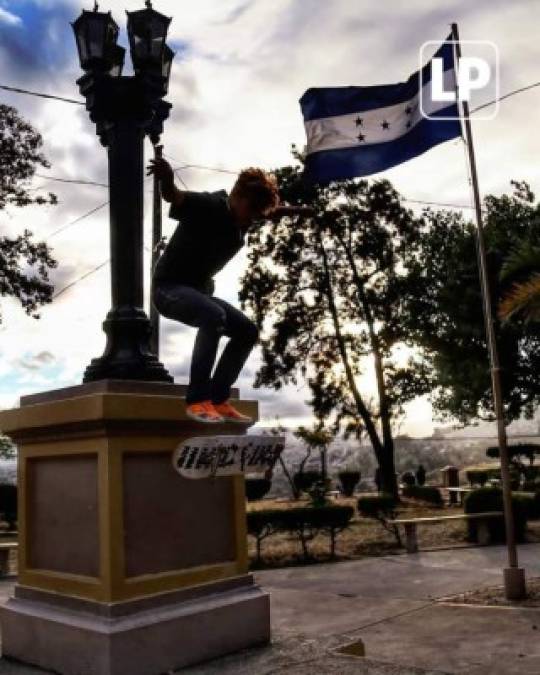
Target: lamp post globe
{"x": 147, "y": 31}
{"x": 96, "y": 34}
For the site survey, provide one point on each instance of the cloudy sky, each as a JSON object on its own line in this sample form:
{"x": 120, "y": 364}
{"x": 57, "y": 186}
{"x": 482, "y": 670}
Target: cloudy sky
{"x": 241, "y": 67}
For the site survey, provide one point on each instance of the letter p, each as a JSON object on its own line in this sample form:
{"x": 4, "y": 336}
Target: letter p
{"x": 474, "y": 73}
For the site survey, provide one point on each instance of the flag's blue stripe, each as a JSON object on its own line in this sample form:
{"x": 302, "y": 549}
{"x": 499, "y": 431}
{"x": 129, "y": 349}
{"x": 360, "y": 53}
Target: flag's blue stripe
{"x": 328, "y": 165}
{"x": 317, "y": 103}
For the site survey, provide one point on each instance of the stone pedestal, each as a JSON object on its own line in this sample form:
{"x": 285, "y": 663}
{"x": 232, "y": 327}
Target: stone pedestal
{"x": 124, "y": 566}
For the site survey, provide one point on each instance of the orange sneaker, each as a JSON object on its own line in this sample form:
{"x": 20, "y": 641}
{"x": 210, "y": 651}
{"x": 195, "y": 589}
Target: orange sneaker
{"x": 230, "y": 414}
{"x": 204, "y": 412}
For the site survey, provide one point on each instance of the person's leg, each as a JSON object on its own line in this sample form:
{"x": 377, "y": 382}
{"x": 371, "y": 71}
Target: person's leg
{"x": 243, "y": 334}
{"x": 186, "y": 304}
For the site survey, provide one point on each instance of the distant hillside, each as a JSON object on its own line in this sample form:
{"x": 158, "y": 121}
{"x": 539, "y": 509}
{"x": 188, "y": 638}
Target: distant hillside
{"x": 432, "y": 453}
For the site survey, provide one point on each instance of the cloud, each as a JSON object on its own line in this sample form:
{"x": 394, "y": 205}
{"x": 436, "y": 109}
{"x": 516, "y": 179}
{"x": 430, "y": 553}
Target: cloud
{"x": 44, "y": 46}
{"x": 35, "y": 362}
{"x": 241, "y": 68}
{"x": 9, "y": 18}
{"x": 235, "y": 13}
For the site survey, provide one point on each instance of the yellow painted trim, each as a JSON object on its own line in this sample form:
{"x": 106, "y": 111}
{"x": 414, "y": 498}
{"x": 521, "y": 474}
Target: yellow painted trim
{"x": 104, "y": 506}
{"x": 115, "y": 534}
{"x": 240, "y": 522}
{"x": 22, "y": 511}
{"x": 102, "y": 407}
{"x": 152, "y": 584}
{"x": 60, "y": 448}
{"x": 64, "y": 584}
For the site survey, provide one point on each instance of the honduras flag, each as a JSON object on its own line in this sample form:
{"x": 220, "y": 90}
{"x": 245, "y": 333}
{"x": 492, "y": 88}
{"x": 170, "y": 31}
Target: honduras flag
{"x": 357, "y": 131}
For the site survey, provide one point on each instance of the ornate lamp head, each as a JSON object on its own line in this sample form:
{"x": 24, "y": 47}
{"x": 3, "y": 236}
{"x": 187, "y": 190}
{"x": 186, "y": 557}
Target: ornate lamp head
{"x": 96, "y": 34}
{"x": 147, "y": 30}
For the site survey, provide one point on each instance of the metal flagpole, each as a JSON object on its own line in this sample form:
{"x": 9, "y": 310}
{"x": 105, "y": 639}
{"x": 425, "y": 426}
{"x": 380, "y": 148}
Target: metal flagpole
{"x": 514, "y": 576}
{"x": 156, "y": 241}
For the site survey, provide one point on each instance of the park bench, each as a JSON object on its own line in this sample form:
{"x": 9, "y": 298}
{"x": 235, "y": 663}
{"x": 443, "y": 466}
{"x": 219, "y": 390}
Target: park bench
{"x": 410, "y": 526}
{"x": 5, "y": 548}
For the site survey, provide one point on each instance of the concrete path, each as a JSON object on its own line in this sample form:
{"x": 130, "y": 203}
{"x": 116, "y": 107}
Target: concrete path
{"x": 391, "y": 604}
{"x": 391, "y": 607}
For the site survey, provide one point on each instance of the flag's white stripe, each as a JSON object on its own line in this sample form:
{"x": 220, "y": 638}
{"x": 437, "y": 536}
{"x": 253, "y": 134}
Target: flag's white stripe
{"x": 341, "y": 131}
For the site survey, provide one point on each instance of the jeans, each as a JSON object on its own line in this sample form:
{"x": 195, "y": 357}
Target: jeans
{"x": 214, "y": 318}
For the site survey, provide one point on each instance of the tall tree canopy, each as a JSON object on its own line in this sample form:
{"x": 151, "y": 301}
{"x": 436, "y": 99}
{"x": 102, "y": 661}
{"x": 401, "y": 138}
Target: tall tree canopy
{"x": 24, "y": 264}
{"x": 328, "y": 293}
{"x": 446, "y": 318}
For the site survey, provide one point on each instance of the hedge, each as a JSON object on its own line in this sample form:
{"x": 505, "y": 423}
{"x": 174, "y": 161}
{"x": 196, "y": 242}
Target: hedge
{"x": 408, "y": 478}
{"x": 490, "y": 499}
{"x": 477, "y": 477}
{"x": 257, "y": 488}
{"x": 348, "y": 480}
{"x": 305, "y": 522}
{"x": 425, "y": 493}
{"x": 304, "y": 480}
{"x": 531, "y": 504}
{"x": 8, "y": 504}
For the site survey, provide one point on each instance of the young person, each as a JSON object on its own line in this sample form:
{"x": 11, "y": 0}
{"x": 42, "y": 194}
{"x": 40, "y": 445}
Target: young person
{"x": 212, "y": 229}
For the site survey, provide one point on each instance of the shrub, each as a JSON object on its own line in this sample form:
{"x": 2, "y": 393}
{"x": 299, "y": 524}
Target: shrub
{"x": 304, "y": 480}
{"x": 372, "y": 506}
{"x": 494, "y": 474}
{"x": 531, "y": 485}
{"x": 424, "y": 493}
{"x": 517, "y": 451}
{"x": 348, "y": 480}
{"x": 381, "y": 508}
{"x": 477, "y": 477}
{"x": 317, "y": 493}
{"x": 8, "y": 504}
{"x": 515, "y": 479}
{"x": 257, "y": 488}
{"x": 532, "y": 473}
{"x": 421, "y": 475}
{"x": 305, "y": 522}
{"x": 490, "y": 499}
{"x": 536, "y": 507}
{"x": 530, "y": 503}
{"x": 408, "y": 478}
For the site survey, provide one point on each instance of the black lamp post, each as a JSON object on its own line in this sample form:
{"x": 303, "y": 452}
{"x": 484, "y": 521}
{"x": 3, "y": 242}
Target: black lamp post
{"x": 125, "y": 109}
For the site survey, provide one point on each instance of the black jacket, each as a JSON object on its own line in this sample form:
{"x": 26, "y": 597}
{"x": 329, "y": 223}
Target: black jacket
{"x": 202, "y": 244}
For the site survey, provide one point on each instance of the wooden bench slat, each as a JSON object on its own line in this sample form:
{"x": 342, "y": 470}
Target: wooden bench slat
{"x": 435, "y": 519}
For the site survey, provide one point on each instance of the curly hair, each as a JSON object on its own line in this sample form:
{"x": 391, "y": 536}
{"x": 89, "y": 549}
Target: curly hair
{"x": 259, "y": 187}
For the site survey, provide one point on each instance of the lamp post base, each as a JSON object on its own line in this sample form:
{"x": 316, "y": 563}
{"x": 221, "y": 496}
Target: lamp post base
{"x": 125, "y": 567}
{"x": 127, "y": 355}
{"x": 514, "y": 583}
{"x": 148, "y": 637}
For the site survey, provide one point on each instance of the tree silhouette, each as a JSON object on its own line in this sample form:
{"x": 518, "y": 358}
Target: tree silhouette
{"x": 328, "y": 294}
{"x": 24, "y": 264}
{"x": 447, "y": 319}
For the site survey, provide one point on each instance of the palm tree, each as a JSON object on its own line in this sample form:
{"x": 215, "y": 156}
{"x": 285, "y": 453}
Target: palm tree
{"x": 522, "y": 267}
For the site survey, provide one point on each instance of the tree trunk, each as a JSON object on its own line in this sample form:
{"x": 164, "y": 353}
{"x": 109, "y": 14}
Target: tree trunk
{"x": 324, "y": 468}
{"x": 388, "y": 471}
{"x": 295, "y": 492}
{"x": 386, "y": 463}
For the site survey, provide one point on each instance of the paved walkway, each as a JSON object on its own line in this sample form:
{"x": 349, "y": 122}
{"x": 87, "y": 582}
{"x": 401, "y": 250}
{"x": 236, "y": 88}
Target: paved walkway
{"x": 392, "y": 605}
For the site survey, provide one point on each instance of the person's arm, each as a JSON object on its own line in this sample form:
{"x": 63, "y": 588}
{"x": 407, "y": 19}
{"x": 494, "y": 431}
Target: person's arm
{"x": 284, "y": 210}
{"x": 164, "y": 173}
